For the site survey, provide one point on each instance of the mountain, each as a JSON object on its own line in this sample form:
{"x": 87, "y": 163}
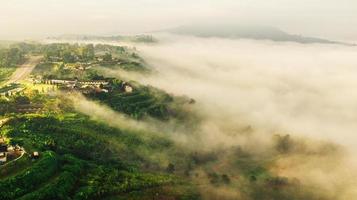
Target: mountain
{"x": 247, "y": 32}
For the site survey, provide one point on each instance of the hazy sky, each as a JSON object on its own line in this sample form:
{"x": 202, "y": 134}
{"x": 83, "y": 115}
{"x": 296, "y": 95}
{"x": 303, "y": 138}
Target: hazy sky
{"x": 335, "y": 19}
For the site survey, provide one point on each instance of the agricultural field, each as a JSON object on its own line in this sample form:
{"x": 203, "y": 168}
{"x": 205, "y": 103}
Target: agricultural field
{"x": 109, "y": 163}
{"x": 5, "y": 73}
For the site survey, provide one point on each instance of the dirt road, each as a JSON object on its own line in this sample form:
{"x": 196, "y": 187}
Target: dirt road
{"x": 24, "y": 70}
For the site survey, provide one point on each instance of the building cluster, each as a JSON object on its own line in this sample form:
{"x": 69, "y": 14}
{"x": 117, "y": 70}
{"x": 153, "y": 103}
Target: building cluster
{"x": 84, "y": 65}
{"x": 86, "y": 87}
{"x": 8, "y": 152}
{"x": 78, "y": 66}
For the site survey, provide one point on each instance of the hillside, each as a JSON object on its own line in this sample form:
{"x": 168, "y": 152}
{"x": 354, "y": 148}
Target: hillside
{"x": 247, "y": 32}
{"x": 69, "y": 132}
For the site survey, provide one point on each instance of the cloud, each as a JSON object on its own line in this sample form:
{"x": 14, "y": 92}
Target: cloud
{"x": 248, "y": 91}
{"x": 294, "y": 88}
{"x": 307, "y": 91}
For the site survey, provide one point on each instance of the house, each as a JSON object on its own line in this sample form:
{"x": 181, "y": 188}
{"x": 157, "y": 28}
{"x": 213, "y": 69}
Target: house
{"x": 18, "y": 148}
{"x": 128, "y": 89}
{"x": 125, "y": 87}
{"x": 35, "y": 155}
{"x": 10, "y": 148}
{"x": 3, "y": 158}
{"x": 54, "y": 81}
{"x": 36, "y": 81}
{"x": 95, "y": 83}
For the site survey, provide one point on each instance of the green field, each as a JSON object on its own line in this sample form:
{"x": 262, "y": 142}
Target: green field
{"x": 5, "y": 73}
{"x": 108, "y": 165}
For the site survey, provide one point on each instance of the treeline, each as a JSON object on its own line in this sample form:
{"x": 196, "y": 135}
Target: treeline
{"x": 134, "y": 38}
{"x": 11, "y": 57}
{"x": 69, "y": 53}
{"x": 14, "y": 54}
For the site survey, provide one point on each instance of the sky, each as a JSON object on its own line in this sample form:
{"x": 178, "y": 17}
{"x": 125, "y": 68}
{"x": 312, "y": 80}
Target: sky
{"x": 333, "y": 19}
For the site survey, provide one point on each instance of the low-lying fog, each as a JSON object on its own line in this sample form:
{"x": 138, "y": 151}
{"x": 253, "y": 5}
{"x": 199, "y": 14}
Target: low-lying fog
{"x": 265, "y": 87}
{"x": 305, "y": 89}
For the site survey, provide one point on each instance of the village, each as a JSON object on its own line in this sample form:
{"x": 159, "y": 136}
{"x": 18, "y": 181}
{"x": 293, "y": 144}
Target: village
{"x": 85, "y": 86}
{"x": 10, "y": 153}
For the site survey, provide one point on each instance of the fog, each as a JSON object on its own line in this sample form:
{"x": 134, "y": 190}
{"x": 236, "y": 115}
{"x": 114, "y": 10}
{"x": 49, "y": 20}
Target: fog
{"x": 282, "y": 87}
{"x": 250, "y": 96}
{"x": 247, "y": 91}
{"x": 20, "y": 19}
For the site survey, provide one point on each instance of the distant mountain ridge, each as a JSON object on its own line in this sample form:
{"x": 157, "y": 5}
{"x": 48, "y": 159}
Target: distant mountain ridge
{"x": 114, "y": 38}
{"x": 248, "y": 32}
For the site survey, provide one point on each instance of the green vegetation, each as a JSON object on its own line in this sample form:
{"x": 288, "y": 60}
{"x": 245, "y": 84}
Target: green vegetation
{"x": 9, "y": 87}
{"x": 81, "y": 158}
{"x": 5, "y": 73}
{"x": 15, "y": 167}
{"x": 28, "y": 180}
{"x": 119, "y": 38}
{"x": 11, "y": 57}
{"x": 60, "y": 186}
{"x": 144, "y": 101}
{"x": 82, "y": 56}
{"x": 100, "y": 172}
{"x": 80, "y": 62}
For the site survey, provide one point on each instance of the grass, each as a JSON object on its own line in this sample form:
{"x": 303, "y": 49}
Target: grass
{"x": 5, "y": 73}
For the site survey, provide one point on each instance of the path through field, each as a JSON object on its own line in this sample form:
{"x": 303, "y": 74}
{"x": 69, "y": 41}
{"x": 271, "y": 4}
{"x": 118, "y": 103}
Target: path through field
{"x": 24, "y": 70}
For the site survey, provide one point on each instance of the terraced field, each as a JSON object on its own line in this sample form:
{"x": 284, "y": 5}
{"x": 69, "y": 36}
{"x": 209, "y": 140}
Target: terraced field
{"x": 15, "y": 167}
{"x": 108, "y": 165}
{"x": 29, "y": 179}
{"x": 139, "y": 103}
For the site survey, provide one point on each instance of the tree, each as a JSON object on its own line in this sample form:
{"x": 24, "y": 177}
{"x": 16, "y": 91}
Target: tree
{"x": 88, "y": 52}
{"x": 107, "y": 57}
{"x": 22, "y": 100}
{"x": 11, "y": 57}
{"x": 225, "y": 179}
{"x": 68, "y": 57}
{"x": 283, "y": 143}
{"x": 170, "y": 168}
